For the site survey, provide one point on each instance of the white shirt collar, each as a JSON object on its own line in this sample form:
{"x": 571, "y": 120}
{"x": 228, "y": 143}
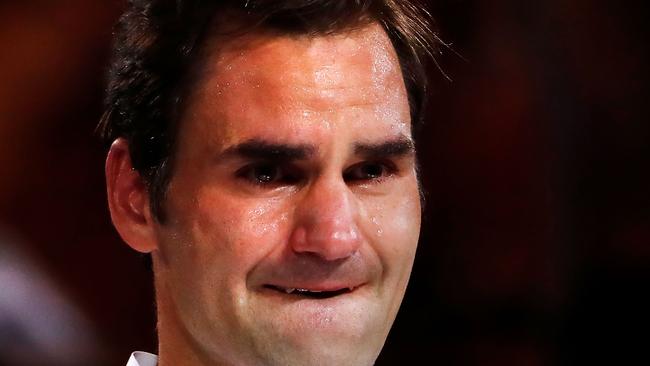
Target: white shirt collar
{"x": 142, "y": 359}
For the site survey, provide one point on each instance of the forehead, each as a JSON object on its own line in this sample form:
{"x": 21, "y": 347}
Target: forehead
{"x": 292, "y": 77}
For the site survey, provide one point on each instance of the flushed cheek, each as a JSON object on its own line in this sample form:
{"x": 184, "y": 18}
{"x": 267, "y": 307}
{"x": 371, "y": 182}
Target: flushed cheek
{"x": 229, "y": 237}
{"x": 240, "y": 231}
{"x": 394, "y": 225}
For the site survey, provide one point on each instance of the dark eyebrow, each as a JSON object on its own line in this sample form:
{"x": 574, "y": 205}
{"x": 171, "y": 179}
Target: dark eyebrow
{"x": 261, "y": 149}
{"x": 400, "y": 146}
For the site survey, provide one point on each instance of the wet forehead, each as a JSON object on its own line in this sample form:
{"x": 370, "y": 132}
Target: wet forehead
{"x": 351, "y": 67}
{"x": 265, "y": 85}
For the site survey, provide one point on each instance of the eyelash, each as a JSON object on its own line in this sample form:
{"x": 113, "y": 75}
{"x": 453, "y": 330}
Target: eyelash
{"x": 277, "y": 174}
{"x": 251, "y": 174}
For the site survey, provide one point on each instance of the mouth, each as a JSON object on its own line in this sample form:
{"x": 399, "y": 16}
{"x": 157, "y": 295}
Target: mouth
{"x": 310, "y": 293}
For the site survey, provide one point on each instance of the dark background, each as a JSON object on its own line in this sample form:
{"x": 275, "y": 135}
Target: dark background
{"x": 535, "y": 245}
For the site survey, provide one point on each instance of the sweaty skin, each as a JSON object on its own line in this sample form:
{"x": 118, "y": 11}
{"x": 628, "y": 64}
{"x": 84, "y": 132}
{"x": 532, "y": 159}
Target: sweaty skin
{"x": 294, "y": 169}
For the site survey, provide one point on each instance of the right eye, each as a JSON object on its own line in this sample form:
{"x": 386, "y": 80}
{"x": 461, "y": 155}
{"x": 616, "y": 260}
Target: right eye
{"x": 266, "y": 174}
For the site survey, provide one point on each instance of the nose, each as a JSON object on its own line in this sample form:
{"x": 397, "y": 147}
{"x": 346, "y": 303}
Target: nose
{"x": 326, "y": 221}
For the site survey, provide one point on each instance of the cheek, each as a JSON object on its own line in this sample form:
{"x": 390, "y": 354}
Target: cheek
{"x": 394, "y": 225}
{"x": 236, "y": 232}
{"x": 214, "y": 241}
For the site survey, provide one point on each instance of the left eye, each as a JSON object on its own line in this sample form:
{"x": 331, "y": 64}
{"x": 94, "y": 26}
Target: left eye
{"x": 366, "y": 171}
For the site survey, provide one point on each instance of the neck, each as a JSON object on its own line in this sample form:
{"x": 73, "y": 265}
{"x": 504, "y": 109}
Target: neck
{"x": 176, "y": 347}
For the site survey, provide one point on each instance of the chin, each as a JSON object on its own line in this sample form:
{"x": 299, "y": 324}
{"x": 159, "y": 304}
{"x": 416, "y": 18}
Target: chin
{"x": 341, "y": 346}
{"x": 323, "y": 354}
{"x": 348, "y": 329}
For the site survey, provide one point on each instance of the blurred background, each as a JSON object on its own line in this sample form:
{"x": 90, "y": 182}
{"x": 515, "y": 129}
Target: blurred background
{"x": 535, "y": 245}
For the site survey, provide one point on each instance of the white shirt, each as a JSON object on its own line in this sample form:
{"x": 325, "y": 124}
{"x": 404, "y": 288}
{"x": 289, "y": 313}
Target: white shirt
{"x": 142, "y": 359}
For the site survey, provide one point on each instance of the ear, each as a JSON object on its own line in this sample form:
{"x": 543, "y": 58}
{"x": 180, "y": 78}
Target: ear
{"x": 128, "y": 200}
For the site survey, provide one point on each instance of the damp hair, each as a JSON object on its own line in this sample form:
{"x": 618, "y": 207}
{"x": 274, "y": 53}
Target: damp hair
{"x": 156, "y": 47}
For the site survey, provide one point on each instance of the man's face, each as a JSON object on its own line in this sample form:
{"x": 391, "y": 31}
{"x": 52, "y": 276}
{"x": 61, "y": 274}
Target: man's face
{"x": 293, "y": 213}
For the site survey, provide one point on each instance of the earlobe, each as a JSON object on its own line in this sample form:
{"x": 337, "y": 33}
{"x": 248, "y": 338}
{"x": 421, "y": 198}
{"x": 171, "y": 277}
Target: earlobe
{"x": 128, "y": 199}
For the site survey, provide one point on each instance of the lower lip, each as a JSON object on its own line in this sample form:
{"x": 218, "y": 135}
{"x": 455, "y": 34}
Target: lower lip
{"x": 316, "y": 312}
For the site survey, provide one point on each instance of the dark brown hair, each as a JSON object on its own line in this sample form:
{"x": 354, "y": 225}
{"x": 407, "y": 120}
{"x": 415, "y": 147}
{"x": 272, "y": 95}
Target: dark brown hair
{"x": 156, "y": 47}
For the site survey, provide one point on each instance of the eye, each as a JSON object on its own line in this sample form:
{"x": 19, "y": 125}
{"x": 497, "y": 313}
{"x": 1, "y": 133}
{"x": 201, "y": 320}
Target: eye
{"x": 368, "y": 171}
{"x": 266, "y": 173}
